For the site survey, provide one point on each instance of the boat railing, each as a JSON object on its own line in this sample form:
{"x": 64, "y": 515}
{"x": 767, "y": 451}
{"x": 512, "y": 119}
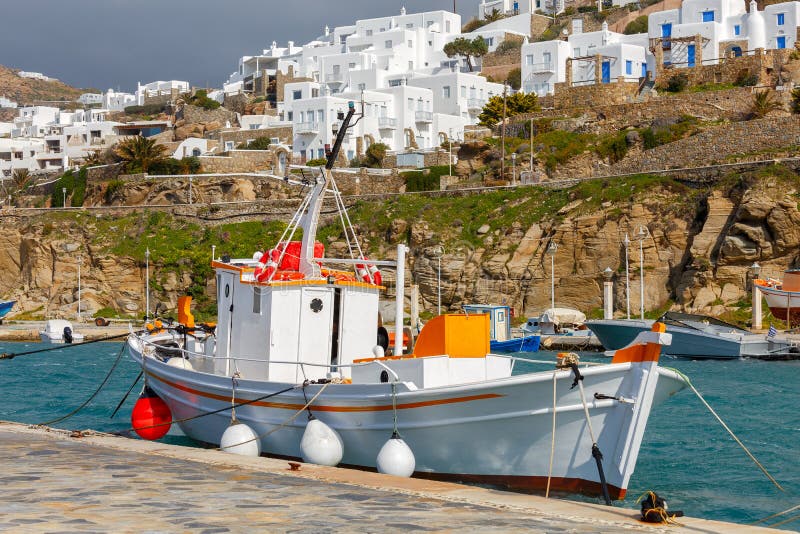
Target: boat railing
{"x": 515, "y": 359}
{"x": 191, "y": 355}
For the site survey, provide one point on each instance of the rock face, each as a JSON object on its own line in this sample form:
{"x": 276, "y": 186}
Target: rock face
{"x": 695, "y": 256}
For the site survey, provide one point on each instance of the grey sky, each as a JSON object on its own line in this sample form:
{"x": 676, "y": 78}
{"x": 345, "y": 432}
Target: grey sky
{"x": 115, "y": 43}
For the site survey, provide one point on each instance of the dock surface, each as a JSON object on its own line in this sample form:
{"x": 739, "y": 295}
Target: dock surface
{"x": 57, "y": 481}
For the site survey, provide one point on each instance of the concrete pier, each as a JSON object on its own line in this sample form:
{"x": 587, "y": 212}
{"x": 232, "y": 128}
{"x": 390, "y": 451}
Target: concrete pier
{"x": 29, "y": 330}
{"x": 54, "y": 480}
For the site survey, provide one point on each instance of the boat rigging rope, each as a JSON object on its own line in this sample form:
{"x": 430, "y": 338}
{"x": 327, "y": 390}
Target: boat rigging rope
{"x": 553, "y": 437}
{"x": 288, "y": 421}
{"x": 742, "y": 445}
{"x": 12, "y": 355}
{"x": 93, "y": 395}
{"x": 773, "y": 516}
{"x": 185, "y": 419}
{"x": 139, "y": 377}
{"x": 395, "y": 433}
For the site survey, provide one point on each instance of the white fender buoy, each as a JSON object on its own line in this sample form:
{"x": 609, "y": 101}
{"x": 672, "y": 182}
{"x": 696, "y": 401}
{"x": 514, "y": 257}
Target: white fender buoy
{"x": 396, "y": 458}
{"x": 180, "y": 363}
{"x": 240, "y": 439}
{"x": 321, "y": 444}
{"x": 378, "y": 351}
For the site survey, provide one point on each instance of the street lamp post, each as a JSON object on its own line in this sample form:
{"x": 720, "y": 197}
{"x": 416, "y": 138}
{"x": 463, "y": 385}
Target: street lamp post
{"x": 627, "y": 243}
{"x": 514, "y": 168}
{"x": 213, "y": 252}
{"x": 756, "y": 319}
{"x": 642, "y": 236}
{"x": 64, "y": 192}
{"x": 551, "y": 251}
{"x": 147, "y": 284}
{"x": 608, "y": 294}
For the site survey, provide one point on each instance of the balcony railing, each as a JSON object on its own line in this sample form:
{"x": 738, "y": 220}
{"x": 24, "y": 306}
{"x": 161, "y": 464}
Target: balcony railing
{"x": 543, "y": 67}
{"x": 476, "y": 103}
{"x": 387, "y": 122}
{"x": 423, "y": 116}
{"x": 335, "y": 77}
{"x": 307, "y": 128}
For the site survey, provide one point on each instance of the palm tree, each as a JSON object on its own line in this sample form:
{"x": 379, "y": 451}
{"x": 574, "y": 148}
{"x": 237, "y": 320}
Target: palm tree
{"x": 763, "y": 103}
{"x": 140, "y": 153}
{"x": 21, "y": 177}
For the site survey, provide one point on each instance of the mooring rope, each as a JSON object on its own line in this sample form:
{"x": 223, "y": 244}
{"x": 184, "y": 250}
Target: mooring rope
{"x": 12, "y": 355}
{"x": 742, "y": 445}
{"x": 773, "y": 516}
{"x": 93, "y": 395}
{"x": 553, "y": 437}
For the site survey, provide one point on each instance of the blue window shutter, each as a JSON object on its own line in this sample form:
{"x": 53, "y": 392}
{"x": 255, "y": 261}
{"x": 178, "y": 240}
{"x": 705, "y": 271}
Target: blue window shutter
{"x": 737, "y": 30}
{"x": 666, "y": 30}
{"x": 628, "y": 67}
{"x": 781, "y": 19}
{"x": 690, "y": 51}
{"x": 708, "y": 16}
{"x": 644, "y": 70}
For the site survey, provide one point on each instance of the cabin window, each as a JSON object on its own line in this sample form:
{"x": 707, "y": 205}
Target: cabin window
{"x": 501, "y": 316}
{"x": 257, "y": 300}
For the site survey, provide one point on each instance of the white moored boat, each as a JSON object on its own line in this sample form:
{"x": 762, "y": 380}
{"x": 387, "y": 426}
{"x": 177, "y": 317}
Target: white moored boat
{"x": 59, "y": 331}
{"x": 294, "y": 336}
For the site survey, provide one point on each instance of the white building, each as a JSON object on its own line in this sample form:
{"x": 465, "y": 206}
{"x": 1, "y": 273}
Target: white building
{"x": 6, "y": 103}
{"x": 88, "y": 99}
{"x": 159, "y": 88}
{"x": 19, "y": 153}
{"x": 517, "y": 7}
{"x": 725, "y": 28}
{"x": 116, "y": 101}
{"x": 35, "y": 76}
{"x": 595, "y": 57}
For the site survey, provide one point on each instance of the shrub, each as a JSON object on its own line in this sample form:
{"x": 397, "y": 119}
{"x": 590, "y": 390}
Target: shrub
{"x": 75, "y": 186}
{"x": 746, "y": 79}
{"x": 149, "y": 109}
{"x": 111, "y": 189}
{"x": 473, "y": 25}
{"x": 259, "y": 143}
{"x": 614, "y": 148}
{"x": 318, "y": 162}
{"x": 201, "y": 99}
{"x": 258, "y": 99}
{"x": 172, "y": 166}
{"x": 515, "y": 78}
{"x": 677, "y": 83}
{"x": 422, "y": 181}
{"x": 638, "y": 25}
{"x": 509, "y": 45}
{"x": 375, "y": 154}
{"x": 586, "y": 9}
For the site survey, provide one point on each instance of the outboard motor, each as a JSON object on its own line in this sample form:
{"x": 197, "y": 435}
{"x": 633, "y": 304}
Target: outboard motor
{"x": 67, "y": 334}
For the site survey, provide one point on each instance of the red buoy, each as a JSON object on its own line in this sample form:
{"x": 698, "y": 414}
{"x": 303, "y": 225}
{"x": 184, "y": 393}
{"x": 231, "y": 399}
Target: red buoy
{"x": 151, "y": 417}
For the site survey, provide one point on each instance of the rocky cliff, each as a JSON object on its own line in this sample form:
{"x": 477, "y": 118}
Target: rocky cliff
{"x": 697, "y": 245}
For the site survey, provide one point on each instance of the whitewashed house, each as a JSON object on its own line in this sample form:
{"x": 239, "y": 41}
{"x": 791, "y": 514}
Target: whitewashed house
{"x": 159, "y": 88}
{"x": 117, "y": 101}
{"x": 585, "y": 58}
{"x": 90, "y": 99}
{"x": 19, "y": 153}
{"x": 6, "y": 103}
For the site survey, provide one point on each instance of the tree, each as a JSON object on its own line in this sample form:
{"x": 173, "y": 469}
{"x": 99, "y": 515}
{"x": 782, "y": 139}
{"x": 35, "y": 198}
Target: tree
{"x": 638, "y": 25}
{"x": 466, "y": 48}
{"x": 21, "y": 177}
{"x": 763, "y": 103}
{"x": 140, "y": 153}
{"x": 516, "y": 104}
{"x": 515, "y": 78}
{"x": 375, "y": 154}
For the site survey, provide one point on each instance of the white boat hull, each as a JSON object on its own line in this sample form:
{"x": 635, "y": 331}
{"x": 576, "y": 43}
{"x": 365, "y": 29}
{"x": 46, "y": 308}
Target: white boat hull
{"x": 496, "y": 431}
{"x": 55, "y": 337}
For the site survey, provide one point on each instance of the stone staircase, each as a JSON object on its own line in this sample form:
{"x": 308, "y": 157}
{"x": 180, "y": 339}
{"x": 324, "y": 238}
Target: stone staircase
{"x": 646, "y": 91}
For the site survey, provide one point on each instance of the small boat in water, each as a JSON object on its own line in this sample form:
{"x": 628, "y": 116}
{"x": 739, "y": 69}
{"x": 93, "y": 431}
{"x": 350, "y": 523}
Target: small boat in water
{"x": 5, "y": 307}
{"x": 561, "y": 327}
{"x": 783, "y": 297}
{"x": 694, "y": 336}
{"x": 500, "y": 336}
{"x": 295, "y": 335}
{"x": 59, "y": 331}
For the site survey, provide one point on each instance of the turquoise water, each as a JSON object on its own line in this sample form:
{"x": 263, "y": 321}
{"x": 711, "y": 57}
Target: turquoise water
{"x": 686, "y": 456}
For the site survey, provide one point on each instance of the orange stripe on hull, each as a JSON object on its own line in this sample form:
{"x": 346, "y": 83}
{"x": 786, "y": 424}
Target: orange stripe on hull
{"x": 326, "y": 408}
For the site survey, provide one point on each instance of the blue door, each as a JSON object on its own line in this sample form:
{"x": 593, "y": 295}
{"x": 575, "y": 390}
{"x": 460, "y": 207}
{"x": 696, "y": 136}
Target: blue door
{"x": 781, "y": 42}
{"x": 690, "y": 55}
{"x": 606, "y": 70}
{"x": 666, "y": 32}
{"x": 644, "y": 70}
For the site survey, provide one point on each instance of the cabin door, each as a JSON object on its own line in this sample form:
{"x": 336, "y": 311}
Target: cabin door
{"x": 225, "y": 287}
{"x": 316, "y": 322}
{"x": 500, "y": 325}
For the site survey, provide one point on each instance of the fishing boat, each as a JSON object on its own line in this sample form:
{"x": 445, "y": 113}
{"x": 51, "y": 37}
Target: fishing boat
{"x": 562, "y": 327}
{"x": 500, "y": 337}
{"x": 783, "y": 297}
{"x": 694, "y": 336}
{"x": 5, "y": 307}
{"x": 59, "y": 331}
{"x": 295, "y": 351}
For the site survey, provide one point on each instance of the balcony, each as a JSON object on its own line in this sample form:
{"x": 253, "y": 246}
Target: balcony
{"x": 423, "y": 116}
{"x": 387, "y": 123}
{"x": 306, "y": 128}
{"x": 336, "y": 77}
{"x": 476, "y": 104}
{"x": 542, "y": 68}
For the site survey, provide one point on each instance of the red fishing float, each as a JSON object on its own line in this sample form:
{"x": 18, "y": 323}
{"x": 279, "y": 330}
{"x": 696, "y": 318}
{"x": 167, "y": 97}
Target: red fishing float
{"x": 151, "y": 417}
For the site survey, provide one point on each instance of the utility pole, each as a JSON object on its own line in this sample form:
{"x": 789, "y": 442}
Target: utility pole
{"x": 503, "y": 137}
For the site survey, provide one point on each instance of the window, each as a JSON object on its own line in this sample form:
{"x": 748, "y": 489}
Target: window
{"x": 395, "y": 83}
{"x": 410, "y": 43}
{"x": 410, "y": 25}
{"x": 289, "y": 116}
{"x": 529, "y": 59}
{"x": 314, "y": 93}
{"x": 351, "y": 65}
{"x": 463, "y": 91}
{"x": 737, "y": 30}
{"x": 429, "y": 24}
{"x": 297, "y": 95}
{"x": 302, "y": 116}
{"x": 411, "y": 104}
{"x": 489, "y": 41}
{"x": 388, "y": 44}
{"x": 447, "y": 26}
{"x": 781, "y": 19}
{"x": 320, "y": 152}
{"x": 446, "y": 91}
{"x": 257, "y": 300}
{"x": 321, "y": 115}
{"x": 576, "y": 52}
{"x": 628, "y": 67}
{"x": 362, "y": 87}
{"x": 369, "y": 33}
{"x": 708, "y": 16}
{"x": 666, "y": 30}
{"x": 410, "y": 65}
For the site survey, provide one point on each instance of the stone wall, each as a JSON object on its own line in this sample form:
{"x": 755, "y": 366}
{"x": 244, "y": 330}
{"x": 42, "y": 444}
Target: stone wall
{"x": 103, "y": 173}
{"x": 195, "y": 114}
{"x": 368, "y": 183}
{"x": 764, "y": 64}
{"x": 568, "y": 98}
{"x": 236, "y": 103}
{"x": 162, "y": 98}
{"x": 239, "y": 161}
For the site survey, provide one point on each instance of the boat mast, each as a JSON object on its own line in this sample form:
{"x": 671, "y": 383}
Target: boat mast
{"x": 311, "y": 219}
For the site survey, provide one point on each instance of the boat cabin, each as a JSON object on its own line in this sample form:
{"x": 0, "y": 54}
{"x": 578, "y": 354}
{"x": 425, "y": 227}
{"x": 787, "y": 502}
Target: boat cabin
{"x": 320, "y": 321}
{"x": 500, "y": 320}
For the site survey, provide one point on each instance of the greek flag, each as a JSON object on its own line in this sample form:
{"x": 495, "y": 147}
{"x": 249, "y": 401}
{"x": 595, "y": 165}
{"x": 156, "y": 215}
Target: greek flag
{"x": 772, "y": 331}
